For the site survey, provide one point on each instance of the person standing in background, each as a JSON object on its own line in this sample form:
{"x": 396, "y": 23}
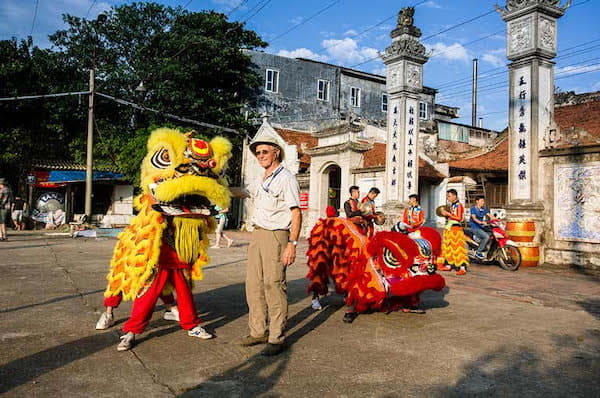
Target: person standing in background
{"x": 17, "y": 210}
{"x": 221, "y": 217}
{"x": 5, "y": 201}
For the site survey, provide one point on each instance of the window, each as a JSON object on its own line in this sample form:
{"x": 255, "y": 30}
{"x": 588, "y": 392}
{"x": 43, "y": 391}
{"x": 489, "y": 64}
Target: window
{"x": 463, "y": 134}
{"x": 423, "y": 110}
{"x": 384, "y": 102}
{"x": 444, "y": 132}
{"x": 355, "y": 97}
{"x": 272, "y": 81}
{"x": 323, "y": 90}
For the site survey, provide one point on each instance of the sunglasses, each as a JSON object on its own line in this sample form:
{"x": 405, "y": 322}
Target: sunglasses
{"x": 263, "y": 152}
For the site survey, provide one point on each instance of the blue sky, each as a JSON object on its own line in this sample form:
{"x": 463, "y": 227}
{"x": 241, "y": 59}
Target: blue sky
{"x": 333, "y": 36}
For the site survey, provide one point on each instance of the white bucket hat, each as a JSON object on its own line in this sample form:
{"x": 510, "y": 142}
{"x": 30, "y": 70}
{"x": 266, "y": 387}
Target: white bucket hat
{"x": 268, "y": 140}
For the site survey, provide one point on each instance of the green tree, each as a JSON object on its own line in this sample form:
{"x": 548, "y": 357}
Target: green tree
{"x": 191, "y": 64}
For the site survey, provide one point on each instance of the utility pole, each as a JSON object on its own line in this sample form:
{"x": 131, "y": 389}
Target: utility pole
{"x": 90, "y": 142}
{"x": 474, "y": 95}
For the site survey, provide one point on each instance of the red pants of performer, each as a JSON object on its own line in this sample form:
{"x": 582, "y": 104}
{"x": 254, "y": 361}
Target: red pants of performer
{"x": 143, "y": 306}
{"x": 114, "y": 301}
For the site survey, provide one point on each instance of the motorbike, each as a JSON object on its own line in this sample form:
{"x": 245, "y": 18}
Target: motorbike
{"x": 499, "y": 248}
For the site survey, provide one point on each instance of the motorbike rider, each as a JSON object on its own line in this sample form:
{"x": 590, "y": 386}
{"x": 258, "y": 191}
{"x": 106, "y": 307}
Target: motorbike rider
{"x": 479, "y": 225}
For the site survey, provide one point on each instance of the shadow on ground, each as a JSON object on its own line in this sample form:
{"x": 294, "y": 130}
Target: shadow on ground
{"x": 516, "y": 370}
{"x": 226, "y": 304}
{"x": 258, "y": 375}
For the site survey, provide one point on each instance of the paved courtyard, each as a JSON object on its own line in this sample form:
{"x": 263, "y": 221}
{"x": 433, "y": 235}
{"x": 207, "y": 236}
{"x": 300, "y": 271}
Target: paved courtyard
{"x": 535, "y": 332}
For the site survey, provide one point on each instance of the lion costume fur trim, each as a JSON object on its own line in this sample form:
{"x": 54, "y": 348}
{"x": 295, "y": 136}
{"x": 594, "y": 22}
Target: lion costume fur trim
{"x": 135, "y": 257}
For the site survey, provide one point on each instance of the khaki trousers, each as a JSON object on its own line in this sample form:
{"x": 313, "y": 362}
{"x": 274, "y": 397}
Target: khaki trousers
{"x": 266, "y": 288}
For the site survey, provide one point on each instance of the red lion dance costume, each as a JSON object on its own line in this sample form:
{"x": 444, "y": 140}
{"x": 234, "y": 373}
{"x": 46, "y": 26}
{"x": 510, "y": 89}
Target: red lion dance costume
{"x": 381, "y": 273}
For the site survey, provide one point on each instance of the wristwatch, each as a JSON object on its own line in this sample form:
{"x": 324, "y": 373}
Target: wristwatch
{"x": 293, "y": 242}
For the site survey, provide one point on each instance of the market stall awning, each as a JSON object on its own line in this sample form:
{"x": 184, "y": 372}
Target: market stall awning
{"x": 60, "y": 178}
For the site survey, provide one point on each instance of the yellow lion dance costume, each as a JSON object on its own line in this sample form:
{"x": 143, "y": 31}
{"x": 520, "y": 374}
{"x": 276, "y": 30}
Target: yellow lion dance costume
{"x": 164, "y": 247}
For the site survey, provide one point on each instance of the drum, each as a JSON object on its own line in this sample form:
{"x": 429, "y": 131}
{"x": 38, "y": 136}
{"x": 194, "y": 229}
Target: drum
{"x": 530, "y": 254}
{"x": 521, "y": 231}
{"x": 439, "y": 209}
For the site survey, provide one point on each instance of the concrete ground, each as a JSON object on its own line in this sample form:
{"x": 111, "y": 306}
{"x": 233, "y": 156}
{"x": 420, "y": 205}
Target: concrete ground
{"x": 535, "y": 332}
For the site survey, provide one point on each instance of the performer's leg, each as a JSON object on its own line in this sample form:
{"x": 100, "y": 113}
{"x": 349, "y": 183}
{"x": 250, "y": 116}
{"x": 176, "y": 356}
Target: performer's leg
{"x": 255, "y": 291}
{"x": 188, "y": 318}
{"x": 143, "y": 306}
{"x": 107, "y": 319}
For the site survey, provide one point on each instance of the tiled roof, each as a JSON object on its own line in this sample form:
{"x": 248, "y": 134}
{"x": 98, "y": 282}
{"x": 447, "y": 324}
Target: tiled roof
{"x": 298, "y": 138}
{"x": 50, "y": 164}
{"x": 426, "y": 170}
{"x": 579, "y": 124}
{"x": 375, "y": 156}
{"x": 494, "y": 160}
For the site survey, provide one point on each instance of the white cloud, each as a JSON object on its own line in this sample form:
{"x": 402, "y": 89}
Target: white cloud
{"x": 230, "y": 3}
{"x": 453, "y": 52}
{"x": 380, "y": 71}
{"x": 296, "y": 20}
{"x": 347, "y": 51}
{"x": 302, "y": 53}
{"x": 571, "y": 70}
{"x": 493, "y": 60}
{"x": 596, "y": 86}
{"x": 350, "y": 32}
{"x": 431, "y": 4}
{"x": 325, "y": 33}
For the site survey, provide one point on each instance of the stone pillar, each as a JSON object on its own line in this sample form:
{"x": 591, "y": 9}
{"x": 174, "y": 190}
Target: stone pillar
{"x": 531, "y": 46}
{"x": 404, "y": 59}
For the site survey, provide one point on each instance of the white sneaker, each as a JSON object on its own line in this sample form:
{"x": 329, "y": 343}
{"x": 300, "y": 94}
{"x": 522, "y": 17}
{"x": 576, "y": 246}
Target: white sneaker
{"x": 105, "y": 321}
{"x": 316, "y": 305}
{"x": 126, "y": 342}
{"x": 199, "y": 332}
{"x": 172, "y": 314}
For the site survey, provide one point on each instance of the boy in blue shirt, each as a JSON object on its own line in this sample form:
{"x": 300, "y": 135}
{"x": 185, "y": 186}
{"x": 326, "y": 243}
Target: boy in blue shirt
{"x": 477, "y": 222}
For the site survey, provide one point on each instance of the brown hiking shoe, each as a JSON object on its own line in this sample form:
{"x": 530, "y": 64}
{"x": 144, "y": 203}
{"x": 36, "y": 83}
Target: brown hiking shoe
{"x": 248, "y": 341}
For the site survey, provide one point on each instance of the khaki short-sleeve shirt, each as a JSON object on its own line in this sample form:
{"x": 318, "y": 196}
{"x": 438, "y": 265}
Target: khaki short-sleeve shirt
{"x": 274, "y": 198}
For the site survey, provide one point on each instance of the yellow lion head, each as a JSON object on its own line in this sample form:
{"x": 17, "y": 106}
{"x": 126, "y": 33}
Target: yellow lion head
{"x": 182, "y": 181}
{"x": 185, "y": 175}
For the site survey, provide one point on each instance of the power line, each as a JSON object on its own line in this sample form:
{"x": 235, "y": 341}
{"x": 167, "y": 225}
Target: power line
{"x": 463, "y": 82}
{"x": 234, "y": 9}
{"x": 322, "y": 10}
{"x": 504, "y": 85}
{"x": 41, "y": 96}
{"x": 506, "y": 71}
{"x": 35, "y": 10}
{"x": 467, "y": 43}
{"x": 165, "y": 114}
{"x": 435, "y": 34}
{"x": 90, "y": 9}
{"x": 261, "y": 4}
{"x": 459, "y": 25}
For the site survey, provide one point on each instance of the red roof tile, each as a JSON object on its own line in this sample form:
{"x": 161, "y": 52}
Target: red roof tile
{"x": 494, "y": 160}
{"x": 298, "y": 138}
{"x": 579, "y": 124}
{"x": 375, "y": 156}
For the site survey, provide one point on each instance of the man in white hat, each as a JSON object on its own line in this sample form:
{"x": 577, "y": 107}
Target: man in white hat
{"x": 277, "y": 220}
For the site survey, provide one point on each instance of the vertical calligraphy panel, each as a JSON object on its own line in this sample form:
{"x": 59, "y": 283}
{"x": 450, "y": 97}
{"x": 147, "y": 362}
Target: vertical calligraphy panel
{"x": 393, "y": 156}
{"x": 411, "y": 163}
{"x": 521, "y": 133}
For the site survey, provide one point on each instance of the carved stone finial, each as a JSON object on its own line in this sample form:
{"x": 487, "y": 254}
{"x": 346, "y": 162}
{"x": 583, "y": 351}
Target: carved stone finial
{"x": 516, "y": 5}
{"x": 405, "y": 16}
{"x": 406, "y": 23}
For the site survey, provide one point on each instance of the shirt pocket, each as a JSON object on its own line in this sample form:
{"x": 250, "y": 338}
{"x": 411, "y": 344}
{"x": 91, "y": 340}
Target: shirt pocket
{"x": 273, "y": 198}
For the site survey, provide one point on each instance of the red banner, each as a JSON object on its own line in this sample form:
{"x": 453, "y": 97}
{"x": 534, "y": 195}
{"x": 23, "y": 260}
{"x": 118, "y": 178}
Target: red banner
{"x": 303, "y": 200}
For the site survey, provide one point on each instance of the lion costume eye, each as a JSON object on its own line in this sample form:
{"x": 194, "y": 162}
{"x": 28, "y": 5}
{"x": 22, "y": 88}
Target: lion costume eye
{"x": 389, "y": 258}
{"x": 161, "y": 159}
